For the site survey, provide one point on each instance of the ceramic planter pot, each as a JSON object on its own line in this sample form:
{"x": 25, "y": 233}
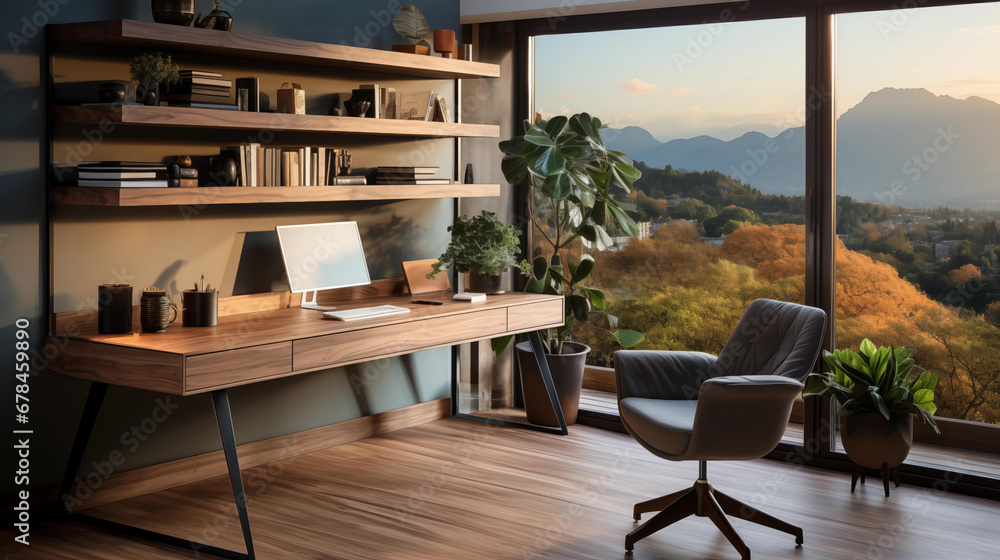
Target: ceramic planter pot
{"x": 481, "y": 283}
{"x": 567, "y": 376}
{"x": 175, "y": 12}
{"x": 868, "y": 446}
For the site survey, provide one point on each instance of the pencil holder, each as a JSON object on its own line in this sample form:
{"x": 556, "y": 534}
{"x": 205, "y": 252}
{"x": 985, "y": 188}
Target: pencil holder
{"x": 200, "y": 309}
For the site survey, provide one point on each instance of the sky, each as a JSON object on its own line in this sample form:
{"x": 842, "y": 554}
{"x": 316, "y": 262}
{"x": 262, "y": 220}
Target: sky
{"x": 726, "y": 79}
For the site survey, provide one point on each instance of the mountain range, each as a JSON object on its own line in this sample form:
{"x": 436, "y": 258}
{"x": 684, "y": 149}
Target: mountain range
{"x": 897, "y": 146}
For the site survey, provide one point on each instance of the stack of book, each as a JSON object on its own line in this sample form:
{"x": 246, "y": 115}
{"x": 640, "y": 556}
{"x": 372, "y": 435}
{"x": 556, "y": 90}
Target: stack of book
{"x": 307, "y": 166}
{"x": 201, "y": 90}
{"x": 402, "y": 175}
{"x": 121, "y": 174}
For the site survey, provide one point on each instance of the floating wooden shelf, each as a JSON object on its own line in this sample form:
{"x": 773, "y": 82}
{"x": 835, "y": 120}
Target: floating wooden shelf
{"x": 183, "y": 117}
{"x": 105, "y": 196}
{"x": 138, "y": 34}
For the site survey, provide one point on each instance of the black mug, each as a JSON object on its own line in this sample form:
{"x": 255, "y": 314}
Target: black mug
{"x": 200, "y": 309}
{"x": 114, "y": 308}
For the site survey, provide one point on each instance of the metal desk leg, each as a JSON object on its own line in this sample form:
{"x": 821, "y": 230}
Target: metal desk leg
{"x": 550, "y": 388}
{"x": 543, "y": 367}
{"x": 90, "y": 411}
{"x": 220, "y": 401}
{"x": 95, "y": 398}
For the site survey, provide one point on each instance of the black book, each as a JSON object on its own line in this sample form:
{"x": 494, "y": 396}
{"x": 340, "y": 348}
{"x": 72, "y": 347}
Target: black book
{"x": 121, "y": 165}
{"x": 252, "y": 85}
{"x": 200, "y": 105}
{"x": 204, "y": 90}
{"x": 403, "y": 170}
{"x": 196, "y": 98}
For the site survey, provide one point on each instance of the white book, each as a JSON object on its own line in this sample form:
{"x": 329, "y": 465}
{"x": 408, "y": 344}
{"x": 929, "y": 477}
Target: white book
{"x": 321, "y": 165}
{"x": 307, "y": 166}
{"x": 267, "y": 167}
{"x": 431, "y": 99}
{"x": 253, "y": 164}
{"x": 117, "y": 175}
{"x": 124, "y": 184}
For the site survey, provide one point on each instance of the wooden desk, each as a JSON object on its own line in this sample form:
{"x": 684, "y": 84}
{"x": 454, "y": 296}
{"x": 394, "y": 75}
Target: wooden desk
{"x": 268, "y": 344}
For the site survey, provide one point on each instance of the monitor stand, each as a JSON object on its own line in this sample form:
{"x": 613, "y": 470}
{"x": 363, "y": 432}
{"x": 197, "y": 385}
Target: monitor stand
{"x": 309, "y": 302}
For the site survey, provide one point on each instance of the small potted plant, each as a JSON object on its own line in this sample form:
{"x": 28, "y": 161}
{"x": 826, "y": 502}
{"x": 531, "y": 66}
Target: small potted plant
{"x": 152, "y": 71}
{"x": 877, "y": 401}
{"x": 483, "y": 248}
{"x": 571, "y": 174}
{"x": 412, "y": 27}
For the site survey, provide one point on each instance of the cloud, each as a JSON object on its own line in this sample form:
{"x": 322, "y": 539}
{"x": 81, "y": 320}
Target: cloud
{"x": 639, "y": 87}
{"x": 964, "y": 30}
{"x": 567, "y": 96}
{"x": 770, "y": 99}
{"x": 682, "y": 90}
{"x": 992, "y": 29}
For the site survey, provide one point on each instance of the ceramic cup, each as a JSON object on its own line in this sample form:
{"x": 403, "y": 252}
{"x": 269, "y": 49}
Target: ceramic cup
{"x": 114, "y": 308}
{"x": 156, "y": 311}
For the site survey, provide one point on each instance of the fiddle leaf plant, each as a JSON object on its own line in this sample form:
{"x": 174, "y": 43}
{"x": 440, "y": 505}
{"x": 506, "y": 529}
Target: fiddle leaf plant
{"x": 875, "y": 380}
{"x": 571, "y": 174}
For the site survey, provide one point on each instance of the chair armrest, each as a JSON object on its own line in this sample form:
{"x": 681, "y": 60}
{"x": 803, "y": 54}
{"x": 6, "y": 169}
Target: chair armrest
{"x": 655, "y": 374}
{"x": 741, "y": 417}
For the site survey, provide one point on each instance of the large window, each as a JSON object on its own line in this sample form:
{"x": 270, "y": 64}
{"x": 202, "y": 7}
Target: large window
{"x": 713, "y": 115}
{"x": 918, "y": 103}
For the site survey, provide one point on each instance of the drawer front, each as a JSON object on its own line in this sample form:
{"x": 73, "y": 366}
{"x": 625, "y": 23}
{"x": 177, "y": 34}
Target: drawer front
{"x": 390, "y": 340}
{"x": 535, "y": 315}
{"x": 235, "y": 367}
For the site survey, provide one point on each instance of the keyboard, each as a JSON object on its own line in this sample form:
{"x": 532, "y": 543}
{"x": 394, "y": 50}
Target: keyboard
{"x": 364, "y": 312}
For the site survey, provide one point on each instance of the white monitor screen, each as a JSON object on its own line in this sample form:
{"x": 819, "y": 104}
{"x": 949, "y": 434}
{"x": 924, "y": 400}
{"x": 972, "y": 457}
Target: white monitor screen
{"x": 323, "y": 256}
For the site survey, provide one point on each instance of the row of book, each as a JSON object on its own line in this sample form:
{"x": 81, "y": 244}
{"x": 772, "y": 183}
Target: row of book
{"x": 258, "y": 166}
{"x": 401, "y": 175}
{"x": 306, "y": 166}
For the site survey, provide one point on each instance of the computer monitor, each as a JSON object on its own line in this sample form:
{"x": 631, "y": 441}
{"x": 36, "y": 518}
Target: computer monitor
{"x": 322, "y": 257}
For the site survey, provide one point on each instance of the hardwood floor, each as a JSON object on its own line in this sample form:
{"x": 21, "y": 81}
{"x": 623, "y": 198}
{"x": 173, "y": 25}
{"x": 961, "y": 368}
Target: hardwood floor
{"x": 455, "y": 489}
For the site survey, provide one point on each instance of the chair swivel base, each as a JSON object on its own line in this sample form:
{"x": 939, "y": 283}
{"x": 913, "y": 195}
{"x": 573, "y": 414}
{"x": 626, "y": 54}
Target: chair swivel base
{"x": 703, "y": 501}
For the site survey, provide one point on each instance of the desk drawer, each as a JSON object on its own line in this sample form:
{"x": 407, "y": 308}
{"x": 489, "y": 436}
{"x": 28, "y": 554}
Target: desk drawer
{"x": 391, "y": 340}
{"x": 534, "y": 315}
{"x": 235, "y": 367}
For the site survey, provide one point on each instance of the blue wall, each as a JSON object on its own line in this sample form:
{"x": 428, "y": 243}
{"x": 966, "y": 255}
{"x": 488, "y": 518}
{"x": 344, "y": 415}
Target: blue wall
{"x": 56, "y": 402}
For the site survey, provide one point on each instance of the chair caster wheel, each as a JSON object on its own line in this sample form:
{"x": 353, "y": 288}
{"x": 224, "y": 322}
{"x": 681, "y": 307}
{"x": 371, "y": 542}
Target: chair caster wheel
{"x": 637, "y": 518}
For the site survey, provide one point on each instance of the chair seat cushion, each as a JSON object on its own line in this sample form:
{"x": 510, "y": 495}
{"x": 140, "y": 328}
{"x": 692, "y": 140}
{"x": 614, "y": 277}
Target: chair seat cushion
{"x": 662, "y": 424}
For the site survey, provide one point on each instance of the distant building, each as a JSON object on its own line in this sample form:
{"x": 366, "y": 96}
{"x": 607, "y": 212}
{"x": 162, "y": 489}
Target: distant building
{"x": 645, "y": 229}
{"x": 942, "y": 249}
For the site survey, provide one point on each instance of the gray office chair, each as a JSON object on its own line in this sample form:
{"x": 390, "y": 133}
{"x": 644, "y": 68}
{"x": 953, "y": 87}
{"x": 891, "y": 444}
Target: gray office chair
{"x": 692, "y": 406}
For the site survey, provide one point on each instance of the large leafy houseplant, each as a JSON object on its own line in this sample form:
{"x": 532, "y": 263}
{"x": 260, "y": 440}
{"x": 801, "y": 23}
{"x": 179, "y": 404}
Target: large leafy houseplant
{"x": 875, "y": 380}
{"x": 481, "y": 245}
{"x": 571, "y": 173}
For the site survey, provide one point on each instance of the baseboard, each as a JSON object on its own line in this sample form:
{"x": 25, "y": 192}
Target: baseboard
{"x": 154, "y": 478}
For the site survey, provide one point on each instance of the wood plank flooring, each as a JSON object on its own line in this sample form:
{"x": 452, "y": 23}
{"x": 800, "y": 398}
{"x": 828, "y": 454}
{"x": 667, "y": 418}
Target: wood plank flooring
{"x": 454, "y": 489}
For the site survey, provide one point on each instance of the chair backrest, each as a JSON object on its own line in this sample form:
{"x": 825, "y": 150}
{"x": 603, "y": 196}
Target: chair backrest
{"x": 773, "y": 338}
